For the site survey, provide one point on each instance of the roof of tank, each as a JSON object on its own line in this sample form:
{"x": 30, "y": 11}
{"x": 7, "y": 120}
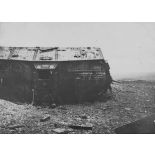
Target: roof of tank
{"x": 50, "y": 53}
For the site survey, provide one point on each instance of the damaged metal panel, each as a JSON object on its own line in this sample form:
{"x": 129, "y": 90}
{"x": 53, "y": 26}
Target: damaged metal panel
{"x": 51, "y": 53}
{"x": 143, "y": 126}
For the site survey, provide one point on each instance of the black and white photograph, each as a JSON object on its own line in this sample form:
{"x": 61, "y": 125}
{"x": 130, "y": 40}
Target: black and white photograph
{"x": 77, "y": 78}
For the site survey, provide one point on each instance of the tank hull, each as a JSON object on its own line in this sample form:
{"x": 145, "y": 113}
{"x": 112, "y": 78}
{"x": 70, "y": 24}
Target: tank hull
{"x": 53, "y": 82}
{"x": 74, "y": 82}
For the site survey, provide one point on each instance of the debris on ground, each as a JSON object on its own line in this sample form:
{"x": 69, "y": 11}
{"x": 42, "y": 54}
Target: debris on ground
{"x": 52, "y": 106}
{"x": 45, "y": 118}
{"x": 15, "y": 126}
{"x": 83, "y": 117}
{"x": 130, "y": 101}
{"x": 81, "y": 127}
{"x": 143, "y": 126}
{"x": 127, "y": 109}
{"x": 62, "y": 130}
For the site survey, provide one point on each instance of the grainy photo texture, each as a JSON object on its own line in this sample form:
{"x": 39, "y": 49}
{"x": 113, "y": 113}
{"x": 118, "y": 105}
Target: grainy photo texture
{"x": 77, "y": 78}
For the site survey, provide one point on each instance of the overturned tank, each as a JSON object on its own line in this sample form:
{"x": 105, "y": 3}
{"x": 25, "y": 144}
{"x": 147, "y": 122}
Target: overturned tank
{"x": 53, "y": 74}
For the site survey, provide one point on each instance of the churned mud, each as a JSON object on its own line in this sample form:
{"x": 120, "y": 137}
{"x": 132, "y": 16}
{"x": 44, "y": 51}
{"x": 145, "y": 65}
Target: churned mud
{"x": 129, "y": 101}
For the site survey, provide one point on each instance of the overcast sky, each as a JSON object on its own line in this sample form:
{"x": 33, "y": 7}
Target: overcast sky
{"x": 128, "y": 47}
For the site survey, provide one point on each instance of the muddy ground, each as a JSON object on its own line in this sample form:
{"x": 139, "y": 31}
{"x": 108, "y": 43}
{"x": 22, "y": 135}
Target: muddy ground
{"x": 130, "y": 101}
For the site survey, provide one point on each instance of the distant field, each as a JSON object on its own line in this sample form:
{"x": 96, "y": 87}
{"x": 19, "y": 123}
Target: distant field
{"x": 145, "y": 76}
